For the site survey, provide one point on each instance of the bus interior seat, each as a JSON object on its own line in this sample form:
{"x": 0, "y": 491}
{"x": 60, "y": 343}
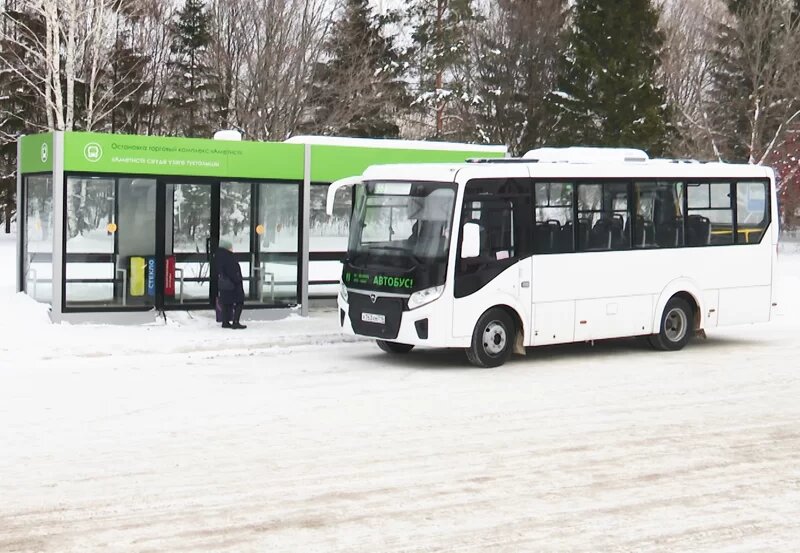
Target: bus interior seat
{"x": 698, "y": 230}
{"x": 644, "y": 232}
{"x": 668, "y": 233}
{"x": 584, "y": 231}
{"x": 547, "y": 236}
{"x": 566, "y": 237}
{"x": 600, "y": 236}
{"x": 620, "y": 233}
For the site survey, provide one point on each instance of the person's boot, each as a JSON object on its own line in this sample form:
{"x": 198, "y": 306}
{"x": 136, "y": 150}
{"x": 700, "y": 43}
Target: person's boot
{"x": 226, "y": 316}
{"x": 237, "y": 312}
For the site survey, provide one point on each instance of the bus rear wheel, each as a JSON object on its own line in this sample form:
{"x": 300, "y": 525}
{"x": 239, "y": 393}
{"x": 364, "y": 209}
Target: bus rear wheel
{"x": 492, "y": 339}
{"x": 677, "y": 326}
{"x": 394, "y": 347}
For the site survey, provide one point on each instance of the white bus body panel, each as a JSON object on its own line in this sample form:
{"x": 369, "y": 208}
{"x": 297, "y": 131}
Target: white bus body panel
{"x": 504, "y": 290}
{"x": 624, "y": 293}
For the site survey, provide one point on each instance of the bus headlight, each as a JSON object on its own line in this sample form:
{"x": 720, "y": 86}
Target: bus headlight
{"x": 343, "y": 292}
{"x": 423, "y": 297}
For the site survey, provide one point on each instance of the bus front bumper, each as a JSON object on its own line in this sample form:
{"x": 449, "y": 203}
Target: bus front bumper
{"x": 419, "y": 327}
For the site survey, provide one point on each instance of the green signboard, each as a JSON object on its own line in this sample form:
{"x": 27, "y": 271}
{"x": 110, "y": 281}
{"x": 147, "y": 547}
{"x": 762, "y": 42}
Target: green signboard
{"x": 86, "y": 152}
{"x": 191, "y": 157}
{"x": 37, "y": 153}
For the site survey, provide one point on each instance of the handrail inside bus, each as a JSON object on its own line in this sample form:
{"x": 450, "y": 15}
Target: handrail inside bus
{"x": 336, "y": 185}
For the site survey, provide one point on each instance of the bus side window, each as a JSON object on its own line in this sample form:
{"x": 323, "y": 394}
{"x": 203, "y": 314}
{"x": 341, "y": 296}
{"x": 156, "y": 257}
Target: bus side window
{"x": 752, "y": 212}
{"x": 603, "y": 221}
{"x": 709, "y": 220}
{"x": 553, "y": 230}
{"x": 659, "y": 215}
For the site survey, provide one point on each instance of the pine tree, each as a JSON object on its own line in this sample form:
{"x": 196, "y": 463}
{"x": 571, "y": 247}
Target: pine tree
{"x": 515, "y": 59}
{"x": 126, "y": 75}
{"x": 191, "y": 37}
{"x": 607, "y": 94}
{"x": 440, "y": 45}
{"x": 359, "y": 90}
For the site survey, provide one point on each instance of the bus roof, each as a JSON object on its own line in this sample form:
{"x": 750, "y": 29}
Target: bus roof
{"x": 651, "y": 169}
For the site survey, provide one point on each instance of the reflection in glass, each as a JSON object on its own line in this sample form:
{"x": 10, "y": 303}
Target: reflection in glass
{"x": 234, "y": 215}
{"x": 38, "y": 238}
{"x": 90, "y": 246}
{"x": 278, "y": 245}
{"x": 136, "y": 241}
{"x": 188, "y": 237}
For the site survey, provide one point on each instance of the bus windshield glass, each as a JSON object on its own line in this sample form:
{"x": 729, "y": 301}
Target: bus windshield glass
{"x": 402, "y": 224}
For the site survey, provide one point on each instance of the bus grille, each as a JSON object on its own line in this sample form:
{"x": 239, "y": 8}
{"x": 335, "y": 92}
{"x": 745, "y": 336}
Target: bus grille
{"x": 391, "y": 308}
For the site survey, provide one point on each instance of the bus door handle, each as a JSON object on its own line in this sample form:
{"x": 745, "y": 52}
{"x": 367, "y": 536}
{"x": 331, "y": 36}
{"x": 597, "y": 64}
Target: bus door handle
{"x": 526, "y": 284}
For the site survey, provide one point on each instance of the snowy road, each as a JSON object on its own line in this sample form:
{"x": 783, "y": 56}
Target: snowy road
{"x": 614, "y": 448}
{"x": 342, "y": 448}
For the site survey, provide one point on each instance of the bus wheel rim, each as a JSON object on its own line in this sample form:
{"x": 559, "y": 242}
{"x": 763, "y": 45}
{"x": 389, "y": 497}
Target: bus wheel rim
{"x": 676, "y": 325}
{"x": 494, "y": 338}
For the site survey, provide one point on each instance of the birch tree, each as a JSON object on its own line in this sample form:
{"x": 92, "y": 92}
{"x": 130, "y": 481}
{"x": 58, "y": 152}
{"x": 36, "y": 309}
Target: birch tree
{"x": 756, "y": 75}
{"x": 63, "y": 57}
{"x": 690, "y": 30}
{"x": 287, "y": 40}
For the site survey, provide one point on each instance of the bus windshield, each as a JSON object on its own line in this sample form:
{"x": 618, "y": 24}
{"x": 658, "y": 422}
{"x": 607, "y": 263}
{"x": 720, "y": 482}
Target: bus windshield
{"x": 401, "y": 224}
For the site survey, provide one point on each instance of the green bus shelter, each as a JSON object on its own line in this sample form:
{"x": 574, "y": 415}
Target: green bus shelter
{"x": 112, "y": 227}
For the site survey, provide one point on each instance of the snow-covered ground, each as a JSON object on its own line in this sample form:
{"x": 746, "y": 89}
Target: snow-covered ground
{"x": 185, "y": 437}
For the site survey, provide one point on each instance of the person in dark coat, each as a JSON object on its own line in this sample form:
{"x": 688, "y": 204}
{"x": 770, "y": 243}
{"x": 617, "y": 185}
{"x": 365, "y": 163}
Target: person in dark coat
{"x": 229, "y": 285}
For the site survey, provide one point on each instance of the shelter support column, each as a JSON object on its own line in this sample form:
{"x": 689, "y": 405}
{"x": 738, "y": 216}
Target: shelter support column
{"x": 306, "y": 227}
{"x": 56, "y": 315}
{"x": 21, "y": 215}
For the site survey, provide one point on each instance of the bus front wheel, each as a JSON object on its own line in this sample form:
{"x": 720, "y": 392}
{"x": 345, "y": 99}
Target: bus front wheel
{"x": 492, "y": 339}
{"x": 394, "y": 347}
{"x": 677, "y": 326}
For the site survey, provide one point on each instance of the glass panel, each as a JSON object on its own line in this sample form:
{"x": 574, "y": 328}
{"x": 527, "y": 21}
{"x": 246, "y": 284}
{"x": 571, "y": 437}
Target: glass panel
{"x": 278, "y": 224}
{"x": 710, "y": 216}
{"x": 136, "y": 242}
{"x": 38, "y": 245}
{"x": 603, "y": 217}
{"x": 90, "y": 209}
{"x": 554, "y": 218}
{"x": 330, "y": 234}
{"x": 659, "y": 215}
{"x": 235, "y": 226}
{"x": 90, "y": 241}
{"x": 191, "y": 217}
{"x": 234, "y": 215}
{"x": 752, "y": 213}
{"x": 409, "y": 227}
{"x": 188, "y": 239}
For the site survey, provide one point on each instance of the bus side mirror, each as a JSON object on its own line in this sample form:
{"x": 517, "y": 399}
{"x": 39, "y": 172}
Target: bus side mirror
{"x": 470, "y": 240}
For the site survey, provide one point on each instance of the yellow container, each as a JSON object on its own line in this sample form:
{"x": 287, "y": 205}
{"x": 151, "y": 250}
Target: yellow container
{"x": 137, "y": 276}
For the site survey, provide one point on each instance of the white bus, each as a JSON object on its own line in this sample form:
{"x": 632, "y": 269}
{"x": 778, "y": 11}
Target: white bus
{"x": 562, "y": 245}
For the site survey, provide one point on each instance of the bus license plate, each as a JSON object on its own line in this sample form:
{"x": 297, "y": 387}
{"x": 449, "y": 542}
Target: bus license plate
{"x": 373, "y": 318}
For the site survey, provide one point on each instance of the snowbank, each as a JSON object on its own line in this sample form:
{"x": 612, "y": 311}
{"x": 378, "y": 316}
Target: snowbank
{"x": 20, "y": 310}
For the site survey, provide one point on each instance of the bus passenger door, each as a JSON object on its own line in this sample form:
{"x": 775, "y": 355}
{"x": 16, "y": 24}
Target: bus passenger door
{"x": 501, "y": 273}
